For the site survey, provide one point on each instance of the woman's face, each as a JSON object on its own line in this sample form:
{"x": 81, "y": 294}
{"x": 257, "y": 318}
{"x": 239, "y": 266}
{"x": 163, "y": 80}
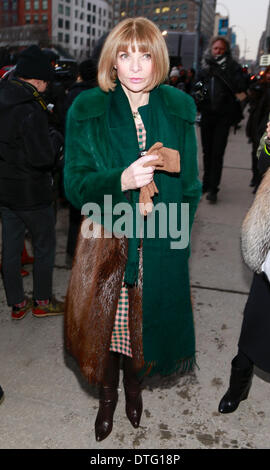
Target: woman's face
{"x": 134, "y": 69}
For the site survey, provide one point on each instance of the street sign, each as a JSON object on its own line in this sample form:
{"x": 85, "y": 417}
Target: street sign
{"x": 265, "y": 60}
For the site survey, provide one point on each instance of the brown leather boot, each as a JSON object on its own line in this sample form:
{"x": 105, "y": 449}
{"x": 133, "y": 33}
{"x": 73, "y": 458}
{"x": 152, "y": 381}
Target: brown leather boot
{"x": 132, "y": 385}
{"x": 108, "y": 397}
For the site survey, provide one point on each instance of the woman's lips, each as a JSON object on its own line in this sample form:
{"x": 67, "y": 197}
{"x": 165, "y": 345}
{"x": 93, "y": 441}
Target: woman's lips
{"x": 136, "y": 80}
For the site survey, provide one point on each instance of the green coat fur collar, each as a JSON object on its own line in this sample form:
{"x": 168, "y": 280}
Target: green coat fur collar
{"x": 178, "y": 104}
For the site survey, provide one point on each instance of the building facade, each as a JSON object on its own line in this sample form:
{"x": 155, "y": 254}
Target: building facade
{"x": 173, "y": 15}
{"x": 78, "y": 25}
{"x": 73, "y": 25}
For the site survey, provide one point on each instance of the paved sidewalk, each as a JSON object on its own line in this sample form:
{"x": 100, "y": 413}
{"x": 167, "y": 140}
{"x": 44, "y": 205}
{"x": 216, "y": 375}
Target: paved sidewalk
{"x": 49, "y": 406}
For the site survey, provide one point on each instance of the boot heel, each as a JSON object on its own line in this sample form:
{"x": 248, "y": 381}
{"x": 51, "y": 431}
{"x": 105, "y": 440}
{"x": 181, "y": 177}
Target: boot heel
{"x": 107, "y": 406}
{"x": 108, "y": 398}
{"x": 240, "y": 384}
{"x": 134, "y": 404}
{"x": 133, "y": 392}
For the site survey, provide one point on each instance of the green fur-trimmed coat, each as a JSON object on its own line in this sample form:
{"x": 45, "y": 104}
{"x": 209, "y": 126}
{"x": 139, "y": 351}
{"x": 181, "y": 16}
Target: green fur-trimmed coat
{"x": 99, "y": 263}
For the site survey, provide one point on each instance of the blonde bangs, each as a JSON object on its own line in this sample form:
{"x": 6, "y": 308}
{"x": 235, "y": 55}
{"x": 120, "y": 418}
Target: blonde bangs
{"x": 125, "y": 34}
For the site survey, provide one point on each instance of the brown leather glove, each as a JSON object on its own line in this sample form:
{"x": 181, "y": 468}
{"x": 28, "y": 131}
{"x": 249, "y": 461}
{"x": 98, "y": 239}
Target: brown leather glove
{"x": 167, "y": 160}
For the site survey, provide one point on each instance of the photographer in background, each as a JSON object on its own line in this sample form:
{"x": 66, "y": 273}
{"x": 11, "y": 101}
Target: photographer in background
{"x": 216, "y": 93}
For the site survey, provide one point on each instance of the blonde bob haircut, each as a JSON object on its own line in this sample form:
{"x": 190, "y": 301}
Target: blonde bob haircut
{"x": 148, "y": 38}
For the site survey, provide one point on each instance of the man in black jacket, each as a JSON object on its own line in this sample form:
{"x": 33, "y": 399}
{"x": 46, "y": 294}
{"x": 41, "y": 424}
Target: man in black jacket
{"x": 221, "y": 78}
{"x": 27, "y": 157}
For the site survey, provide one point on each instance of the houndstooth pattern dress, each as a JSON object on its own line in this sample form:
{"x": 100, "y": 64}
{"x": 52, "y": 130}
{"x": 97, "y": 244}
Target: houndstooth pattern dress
{"x": 120, "y": 340}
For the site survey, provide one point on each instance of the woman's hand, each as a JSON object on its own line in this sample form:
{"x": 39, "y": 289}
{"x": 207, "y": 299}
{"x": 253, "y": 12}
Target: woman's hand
{"x": 136, "y": 175}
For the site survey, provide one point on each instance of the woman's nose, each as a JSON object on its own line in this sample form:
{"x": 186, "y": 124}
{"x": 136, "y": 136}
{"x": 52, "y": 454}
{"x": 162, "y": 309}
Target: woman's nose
{"x": 135, "y": 64}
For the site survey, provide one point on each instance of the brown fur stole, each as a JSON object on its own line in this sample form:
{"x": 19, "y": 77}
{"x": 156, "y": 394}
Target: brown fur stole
{"x": 92, "y": 299}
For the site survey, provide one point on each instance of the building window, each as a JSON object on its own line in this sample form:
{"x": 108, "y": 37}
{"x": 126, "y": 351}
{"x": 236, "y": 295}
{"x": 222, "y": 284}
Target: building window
{"x": 68, "y": 11}
{"x": 60, "y": 22}
{"x": 5, "y": 5}
{"x": 76, "y": 27}
{"x": 44, "y": 18}
{"x": 67, "y": 24}
{"x": 14, "y": 5}
{"x": 44, "y": 4}
{"x": 27, "y": 5}
{"x": 89, "y": 6}
{"x": 36, "y": 19}
{"x": 60, "y": 8}
{"x": 27, "y": 19}
{"x": 36, "y": 4}
{"x": 66, "y": 38}
{"x": 81, "y": 41}
{"x": 75, "y": 39}
{"x": 81, "y": 28}
{"x": 60, "y": 37}
{"x": 94, "y": 8}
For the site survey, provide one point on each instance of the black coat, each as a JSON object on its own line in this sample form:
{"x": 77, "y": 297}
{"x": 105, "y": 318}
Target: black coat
{"x": 27, "y": 153}
{"x": 219, "y": 97}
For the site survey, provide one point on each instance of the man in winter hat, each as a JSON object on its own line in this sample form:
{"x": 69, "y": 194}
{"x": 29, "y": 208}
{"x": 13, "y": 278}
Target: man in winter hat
{"x": 28, "y": 155}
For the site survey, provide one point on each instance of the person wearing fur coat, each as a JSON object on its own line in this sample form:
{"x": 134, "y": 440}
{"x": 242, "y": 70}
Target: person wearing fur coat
{"x": 254, "y": 344}
{"x": 129, "y": 296}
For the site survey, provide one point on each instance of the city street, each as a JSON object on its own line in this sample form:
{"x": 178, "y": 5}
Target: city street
{"x": 48, "y": 405}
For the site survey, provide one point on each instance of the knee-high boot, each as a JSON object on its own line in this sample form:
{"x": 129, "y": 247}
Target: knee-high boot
{"x": 132, "y": 385}
{"x": 240, "y": 383}
{"x": 108, "y": 397}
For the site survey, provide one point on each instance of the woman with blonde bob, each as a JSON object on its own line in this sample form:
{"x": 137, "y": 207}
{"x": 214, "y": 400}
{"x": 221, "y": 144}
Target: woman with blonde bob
{"x": 130, "y": 143}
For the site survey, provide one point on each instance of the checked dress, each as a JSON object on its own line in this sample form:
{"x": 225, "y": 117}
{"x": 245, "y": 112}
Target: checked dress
{"x": 120, "y": 340}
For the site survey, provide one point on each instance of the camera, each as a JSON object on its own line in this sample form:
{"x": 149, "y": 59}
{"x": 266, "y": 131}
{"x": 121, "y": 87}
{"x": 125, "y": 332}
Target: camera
{"x": 200, "y": 92}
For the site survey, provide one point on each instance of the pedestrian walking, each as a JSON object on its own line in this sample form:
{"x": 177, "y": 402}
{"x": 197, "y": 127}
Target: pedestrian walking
{"x": 27, "y": 158}
{"x": 114, "y": 309}
{"x": 1, "y": 395}
{"x": 221, "y": 80}
{"x": 253, "y": 344}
